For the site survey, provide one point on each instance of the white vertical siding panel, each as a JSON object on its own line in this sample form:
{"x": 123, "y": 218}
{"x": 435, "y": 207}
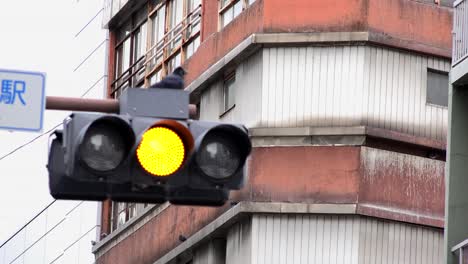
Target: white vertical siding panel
{"x": 332, "y": 252}
{"x": 363, "y": 84}
{"x": 313, "y": 239}
{"x": 297, "y": 239}
{"x": 374, "y": 241}
{"x": 334, "y": 239}
{"x": 330, "y": 84}
{"x": 372, "y": 87}
{"x": 275, "y": 250}
{"x": 423, "y": 251}
{"x": 301, "y": 95}
{"x": 430, "y": 110}
{"x": 423, "y": 79}
{"x": 406, "y": 94}
{"x": 336, "y": 95}
{"x": 400, "y": 91}
{"x": 413, "y": 245}
{"x": 249, "y": 91}
{"x": 262, "y": 236}
{"x": 279, "y": 74}
{"x": 354, "y": 240}
{"x": 323, "y": 86}
{"x": 349, "y": 86}
{"x": 327, "y": 229}
{"x": 418, "y": 103}
{"x": 342, "y": 239}
{"x": 390, "y": 243}
{"x": 319, "y": 241}
{"x": 286, "y": 87}
{"x": 394, "y": 85}
{"x": 377, "y": 104}
{"x": 293, "y": 87}
{"x": 362, "y": 241}
{"x": 307, "y": 83}
{"x": 381, "y": 236}
{"x": 305, "y": 238}
{"x": 384, "y": 241}
{"x": 412, "y": 95}
{"x": 316, "y": 54}
{"x": 382, "y": 99}
{"x": 283, "y": 224}
{"x": 333, "y": 86}
{"x": 269, "y": 238}
{"x": 366, "y": 86}
{"x": 265, "y": 88}
{"x": 428, "y": 257}
{"x": 255, "y": 238}
{"x": 270, "y": 86}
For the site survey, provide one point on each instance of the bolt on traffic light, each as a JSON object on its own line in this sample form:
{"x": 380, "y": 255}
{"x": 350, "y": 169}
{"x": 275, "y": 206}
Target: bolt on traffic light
{"x": 150, "y": 153}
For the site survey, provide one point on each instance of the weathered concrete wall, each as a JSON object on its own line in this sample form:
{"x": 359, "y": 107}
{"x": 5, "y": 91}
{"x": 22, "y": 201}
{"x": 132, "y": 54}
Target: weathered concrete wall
{"x": 404, "y": 24}
{"x": 401, "y": 187}
{"x": 382, "y": 183}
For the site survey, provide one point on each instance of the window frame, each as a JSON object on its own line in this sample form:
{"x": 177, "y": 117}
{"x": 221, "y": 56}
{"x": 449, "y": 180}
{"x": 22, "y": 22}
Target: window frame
{"x": 176, "y": 42}
{"x": 191, "y": 27}
{"x": 229, "y": 82}
{"x": 120, "y": 78}
{"x": 222, "y": 10}
{"x": 428, "y": 99}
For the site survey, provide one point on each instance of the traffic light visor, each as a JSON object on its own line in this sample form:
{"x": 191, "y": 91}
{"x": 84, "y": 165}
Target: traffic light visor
{"x": 161, "y": 151}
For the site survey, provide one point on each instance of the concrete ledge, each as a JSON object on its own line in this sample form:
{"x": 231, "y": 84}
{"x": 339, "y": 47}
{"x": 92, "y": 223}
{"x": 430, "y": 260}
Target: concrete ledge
{"x": 229, "y": 217}
{"x": 459, "y": 73}
{"x": 335, "y": 136}
{"x": 127, "y": 229}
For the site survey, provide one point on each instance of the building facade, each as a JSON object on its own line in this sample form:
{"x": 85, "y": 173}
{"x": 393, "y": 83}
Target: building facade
{"x": 456, "y": 209}
{"x": 346, "y": 103}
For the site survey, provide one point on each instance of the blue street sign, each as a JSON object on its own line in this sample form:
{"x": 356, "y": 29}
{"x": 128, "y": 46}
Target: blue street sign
{"x": 22, "y": 100}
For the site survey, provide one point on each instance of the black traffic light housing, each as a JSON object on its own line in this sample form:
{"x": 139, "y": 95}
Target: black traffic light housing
{"x": 97, "y": 155}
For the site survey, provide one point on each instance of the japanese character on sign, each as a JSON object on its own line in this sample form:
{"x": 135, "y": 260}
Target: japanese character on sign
{"x": 12, "y": 90}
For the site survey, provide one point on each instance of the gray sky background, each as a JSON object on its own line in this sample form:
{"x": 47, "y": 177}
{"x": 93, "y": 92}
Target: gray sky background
{"x": 42, "y": 36}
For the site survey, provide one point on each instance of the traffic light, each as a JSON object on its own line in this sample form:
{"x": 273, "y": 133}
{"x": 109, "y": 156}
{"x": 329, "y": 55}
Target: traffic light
{"x": 151, "y": 152}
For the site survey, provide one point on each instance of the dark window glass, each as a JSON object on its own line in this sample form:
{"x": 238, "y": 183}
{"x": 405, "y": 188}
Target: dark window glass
{"x": 437, "y": 87}
{"x": 228, "y": 92}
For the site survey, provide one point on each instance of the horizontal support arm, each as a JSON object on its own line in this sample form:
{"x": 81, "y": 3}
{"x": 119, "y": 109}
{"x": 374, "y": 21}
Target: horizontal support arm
{"x": 92, "y": 105}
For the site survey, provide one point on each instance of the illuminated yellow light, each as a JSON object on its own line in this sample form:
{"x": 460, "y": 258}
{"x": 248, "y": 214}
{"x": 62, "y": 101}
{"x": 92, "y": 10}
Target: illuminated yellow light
{"x": 161, "y": 151}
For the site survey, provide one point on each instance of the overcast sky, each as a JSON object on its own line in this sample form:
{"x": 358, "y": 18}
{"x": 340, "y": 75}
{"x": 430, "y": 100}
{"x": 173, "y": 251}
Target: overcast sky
{"x": 41, "y": 36}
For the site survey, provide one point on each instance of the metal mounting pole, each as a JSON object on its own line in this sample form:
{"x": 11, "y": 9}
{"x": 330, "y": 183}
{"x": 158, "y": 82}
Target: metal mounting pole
{"x": 92, "y": 105}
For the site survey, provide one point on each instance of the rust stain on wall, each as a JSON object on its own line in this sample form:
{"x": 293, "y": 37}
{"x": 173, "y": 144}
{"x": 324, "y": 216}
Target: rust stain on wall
{"x": 402, "y": 183}
{"x": 404, "y": 24}
{"x": 382, "y": 183}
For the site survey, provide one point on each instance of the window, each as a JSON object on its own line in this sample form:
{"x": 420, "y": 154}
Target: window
{"x": 123, "y": 212}
{"x": 437, "y": 87}
{"x": 151, "y": 43}
{"x": 129, "y": 53}
{"x": 230, "y": 9}
{"x": 156, "y": 39}
{"x": 228, "y": 91}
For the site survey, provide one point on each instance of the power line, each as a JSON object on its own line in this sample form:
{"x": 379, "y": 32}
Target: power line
{"x": 50, "y": 130}
{"x": 29, "y": 142}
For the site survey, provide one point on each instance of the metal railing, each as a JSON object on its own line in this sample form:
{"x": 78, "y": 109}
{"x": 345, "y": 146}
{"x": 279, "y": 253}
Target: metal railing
{"x": 168, "y": 45}
{"x": 188, "y": 27}
{"x": 460, "y": 31}
{"x": 462, "y": 251}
